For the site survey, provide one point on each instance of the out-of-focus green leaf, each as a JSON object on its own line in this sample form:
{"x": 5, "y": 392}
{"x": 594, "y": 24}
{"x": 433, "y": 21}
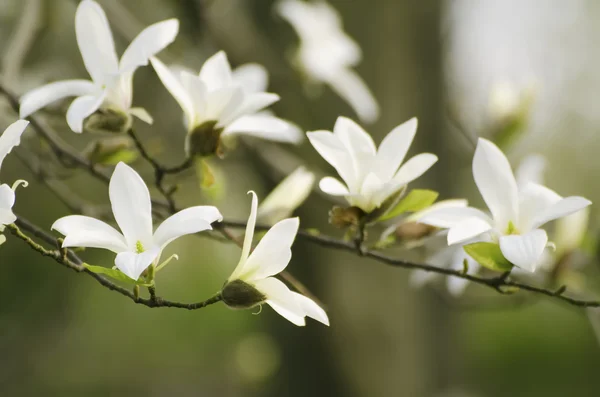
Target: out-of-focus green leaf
{"x": 488, "y": 255}
{"x": 115, "y": 274}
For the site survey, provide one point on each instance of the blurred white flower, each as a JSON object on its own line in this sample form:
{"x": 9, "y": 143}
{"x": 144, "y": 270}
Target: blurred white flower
{"x": 518, "y": 212}
{"x": 111, "y": 84}
{"x": 137, "y": 247}
{"x": 371, "y": 175}
{"x": 218, "y": 103}
{"x": 252, "y": 282}
{"x": 10, "y": 138}
{"x": 327, "y": 54}
{"x": 287, "y": 196}
{"x": 508, "y": 101}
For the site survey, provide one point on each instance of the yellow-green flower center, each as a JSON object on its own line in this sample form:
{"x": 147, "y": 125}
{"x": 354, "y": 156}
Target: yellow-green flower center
{"x": 139, "y": 248}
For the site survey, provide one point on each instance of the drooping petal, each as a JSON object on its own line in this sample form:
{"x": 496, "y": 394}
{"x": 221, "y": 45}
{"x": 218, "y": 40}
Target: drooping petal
{"x": 176, "y": 88}
{"x": 187, "y": 221}
{"x": 394, "y": 147}
{"x": 44, "y": 95}
{"x": 333, "y": 187}
{"x": 7, "y": 200}
{"x": 241, "y": 266}
{"x": 133, "y": 265}
{"x": 351, "y": 88}
{"x": 252, "y": 77}
{"x": 11, "y": 137}
{"x": 496, "y": 182}
{"x": 216, "y": 72}
{"x": 131, "y": 206}
{"x": 524, "y": 251}
{"x": 84, "y": 231}
{"x": 148, "y": 43}
{"x": 282, "y": 300}
{"x": 413, "y": 168}
{"x": 333, "y": 151}
{"x": 81, "y": 108}
{"x": 95, "y": 41}
{"x": 564, "y": 207}
{"x": 448, "y": 217}
{"x": 467, "y": 229}
{"x": 311, "y": 309}
{"x": 273, "y": 252}
{"x": 266, "y": 127}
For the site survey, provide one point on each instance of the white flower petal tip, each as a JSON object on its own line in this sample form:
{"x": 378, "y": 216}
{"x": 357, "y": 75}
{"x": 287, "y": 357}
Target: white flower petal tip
{"x": 11, "y": 137}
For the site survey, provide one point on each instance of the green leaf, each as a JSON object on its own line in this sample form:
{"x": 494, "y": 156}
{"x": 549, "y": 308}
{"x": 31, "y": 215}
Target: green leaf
{"x": 488, "y": 255}
{"x": 415, "y": 200}
{"x": 114, "y": 273}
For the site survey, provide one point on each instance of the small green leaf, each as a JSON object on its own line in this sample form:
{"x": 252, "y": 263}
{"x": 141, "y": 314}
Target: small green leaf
{"x": 415, "y": 200}
{"x": 114, "y": 273}
{"x": 488, "y": 255}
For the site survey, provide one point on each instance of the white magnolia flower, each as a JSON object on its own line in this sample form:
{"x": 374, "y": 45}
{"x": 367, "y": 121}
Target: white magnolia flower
{"x": 137, "y": 247}
{"x": 371, "y": 175}
{"x": 219, "y": 98}
{"x": 10, "y": 138}
{"x": 327, "y": 54}
{"x": 517, "y": 212}
{"x": 111, "y": 84}
{"x": 287, "y": 196}
{"x": 252, "y": 282}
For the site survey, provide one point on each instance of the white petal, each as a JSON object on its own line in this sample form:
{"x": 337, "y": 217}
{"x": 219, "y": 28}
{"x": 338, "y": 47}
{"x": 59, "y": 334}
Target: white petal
{"x": 133, "y": 265}
{"x": 187, "y": 221}
{"x": 282, "y": 300}
{"x": 7, "y": 200}
{"x": 394, "y": 147}
{"x": 216, "y": 72}
{"x": 413, "y": 168}
{"x": 131, "y": 206}
{"x": 177, "y": 90}
{"x": 196, "y": 90}
{"x": 450, "y": 203}
{"x": 95, "y": 41}
{"x": 287, "y": 196}
{"x": 83, "y": 231}
{"x": 240, "y": 268}
{"x": 348, "y": 85}
{"x": 148, "y": 43}
{"x": 467, "y": 229}
{"x": 253, "y": 103}
{"x": 44, "y": 95}
{"x": 524, "y": 251}
{"x": 81, "y": 108}
{"x": 273, "y": 252}
{"x": 266, "y": 127}
{"x": 496, "y": 182}
{"x": 311, "y": 309}
{"x": 223, "y": 104}
{"x": 333, "y": 187}
{"x": 564, "y": 207}
{"x": 334, "y": 152}
{"x": 7, "y": 217}
{"x": 252, "y": 77}
{"x": 141, "y": 114}
{"x": 354, "y": 137}
{"x": 531, "y": 170}
{"x": 11, "y": 137}
{"x": 448, "y": 217}
{"x": 534, "y": 200}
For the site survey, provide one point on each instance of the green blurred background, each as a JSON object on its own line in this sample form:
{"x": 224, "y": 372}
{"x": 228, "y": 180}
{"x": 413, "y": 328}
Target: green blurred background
{"x": 61, "y": 334}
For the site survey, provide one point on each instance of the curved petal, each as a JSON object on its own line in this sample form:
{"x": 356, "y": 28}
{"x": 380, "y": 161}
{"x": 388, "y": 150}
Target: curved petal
{"x": 176, "y": 88}
{"x": 448, "y": 217}
{"x": 84, "y": 231}
{"x": 131, "y": 206}
{"x": 273, "y": 252}
{"x": 333, "y": 187}
{"x": 187, "y": 221}
{"x": 241, "y": 266}
{"x": 81, "y": 108}
{"x": 95, "y": 41}
{"x": 252, "y": 77}
{"x": 311, "y": 309}
{"x": 334, "y": 152}
{"x": 282, "y": 300}
{"x": 133, "y": 265}
{"x": 413, "y": 168}
{"x": 564, "y": 207}
{"x": 11, "y": 137}
{"x": 467, "y": 229}
{"x": 351, "y": 88}
{"x": 394, "y": 147}
{"x": 216, "y": 72}
{"x": 524, "y": 251}
{"x": 148, "y": 43}
{"x": 496, "y": 182}
{"x": 266, "y": 127}
{"x": 46, "y": 94}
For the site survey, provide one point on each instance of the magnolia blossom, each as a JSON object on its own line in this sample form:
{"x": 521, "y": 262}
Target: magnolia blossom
{"x": 10, "y": 138}
{"x": 252, "y": 282}
{"x": 219, "y": 102}
{"x": 287, "y": 196}
{"x": 517, "y": 212}
{"x": 137, "y": 247}
{"x": 371, "y": 175}
{"x": 111, "y": 84}
{"x": 327, "y": 54}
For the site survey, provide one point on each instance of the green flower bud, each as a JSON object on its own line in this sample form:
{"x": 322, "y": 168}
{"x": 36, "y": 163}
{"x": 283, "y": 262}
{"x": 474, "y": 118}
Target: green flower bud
{"x": 108, "y": 120}
{"x": 204, "y": 140}
{"x": 238, "y": 294}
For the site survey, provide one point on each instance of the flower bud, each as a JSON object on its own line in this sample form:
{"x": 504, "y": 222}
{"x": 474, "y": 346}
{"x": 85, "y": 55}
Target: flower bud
{"x": 204, "y": 140}
{"x": 343, "y": 217}
{"x": 108, "y": 120}
{"x": 238, "y": 294}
